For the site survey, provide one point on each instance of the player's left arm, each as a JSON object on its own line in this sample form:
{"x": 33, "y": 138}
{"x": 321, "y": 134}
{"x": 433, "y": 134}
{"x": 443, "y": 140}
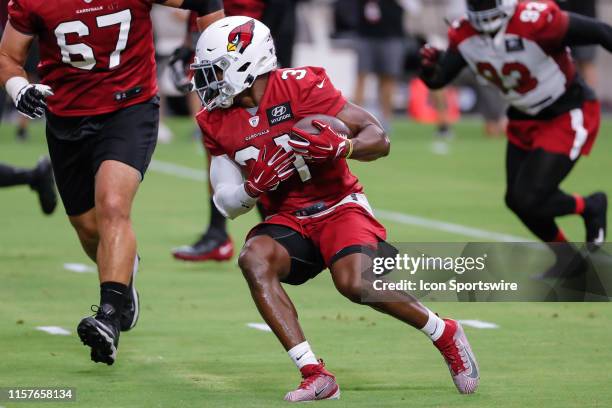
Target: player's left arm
{"x": 370, "y": 141}
{"x": 318, "y": 95}
{"x": 582, "y": 30}
{"x": 208, "y": 11}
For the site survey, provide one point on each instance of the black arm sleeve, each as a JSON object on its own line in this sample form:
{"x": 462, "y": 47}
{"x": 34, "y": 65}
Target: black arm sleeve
{"x": 202, "y": 7}
{"x": 448, "y": 67}
{"x": 588, "y": 31}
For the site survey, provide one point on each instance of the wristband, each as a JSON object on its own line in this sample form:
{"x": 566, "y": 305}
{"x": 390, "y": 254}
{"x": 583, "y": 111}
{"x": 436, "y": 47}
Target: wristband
{"x": 14, "y": 85}
{"x": 350, "y": 149}
{"x": 246, "y": 200}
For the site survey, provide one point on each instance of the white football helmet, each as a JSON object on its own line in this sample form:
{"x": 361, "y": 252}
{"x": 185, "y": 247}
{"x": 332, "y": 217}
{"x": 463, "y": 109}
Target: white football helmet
{"x": 488, "y": 16}
{"x": 230, "y": 54}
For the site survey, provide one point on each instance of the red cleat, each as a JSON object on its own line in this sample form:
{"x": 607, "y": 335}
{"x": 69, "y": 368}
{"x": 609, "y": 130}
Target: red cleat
{"x": 317, "y": 384}
{"x": 457, "y": 353}
{"x": 206, "y": 249}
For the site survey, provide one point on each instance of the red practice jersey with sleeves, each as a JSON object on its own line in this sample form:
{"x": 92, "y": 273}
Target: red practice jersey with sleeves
{"x": 526, "y": 59}
{"x": 290, "y": 95}
{"x": 97, "y": 56}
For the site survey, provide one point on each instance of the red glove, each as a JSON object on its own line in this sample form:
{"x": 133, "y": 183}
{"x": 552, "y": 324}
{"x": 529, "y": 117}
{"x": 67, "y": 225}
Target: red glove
{"x": 327, "y": 145}
{"x": 273, "y": 165}
{"x": 429, "y": 56}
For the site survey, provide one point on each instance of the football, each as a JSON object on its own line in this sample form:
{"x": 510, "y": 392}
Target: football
{"x": 336, "y": 124}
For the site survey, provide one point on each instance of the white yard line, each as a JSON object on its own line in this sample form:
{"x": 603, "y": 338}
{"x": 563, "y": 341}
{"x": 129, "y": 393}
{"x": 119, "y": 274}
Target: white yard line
{"x": 189, "y": 173}
{"x": 177, "y": 170}
{"x": 449, "y": 227}
{"x": 79, "y": 267}
{"x": 259, "y": 326}
{"x": 56, "y": 330}
{"x": 479, "y": 324}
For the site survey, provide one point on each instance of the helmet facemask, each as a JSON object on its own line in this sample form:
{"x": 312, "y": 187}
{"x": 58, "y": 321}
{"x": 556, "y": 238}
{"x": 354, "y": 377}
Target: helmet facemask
{"x": 488, "y": 16}
{"x": 209, "y": 84}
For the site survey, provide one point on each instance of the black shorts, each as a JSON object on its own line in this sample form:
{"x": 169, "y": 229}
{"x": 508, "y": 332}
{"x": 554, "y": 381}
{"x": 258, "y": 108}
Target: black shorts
{"x": 306, "y": 260}
{"x": 79, "y": 144}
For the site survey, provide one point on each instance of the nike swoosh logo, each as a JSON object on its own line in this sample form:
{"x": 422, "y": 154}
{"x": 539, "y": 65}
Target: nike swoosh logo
{"x": 434, "y": 330}
{"x": 317, "y": 393}
{"x": 298, "y": 359}
{"x": 474, "y": 371}
{"x": 329, "y": 148}
{"x": 320, "y": 86}
{"x": 258, "y": 177}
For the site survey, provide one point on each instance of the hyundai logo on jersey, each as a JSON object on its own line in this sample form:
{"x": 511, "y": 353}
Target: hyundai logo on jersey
{"x": 279, "y": 113}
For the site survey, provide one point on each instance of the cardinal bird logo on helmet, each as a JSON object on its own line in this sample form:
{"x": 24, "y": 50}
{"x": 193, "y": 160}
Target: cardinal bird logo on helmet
{"x": 241, "y": 37}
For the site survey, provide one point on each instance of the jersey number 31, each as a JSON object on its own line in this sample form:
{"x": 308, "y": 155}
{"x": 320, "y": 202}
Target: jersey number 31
{"x": 251, "y": 153}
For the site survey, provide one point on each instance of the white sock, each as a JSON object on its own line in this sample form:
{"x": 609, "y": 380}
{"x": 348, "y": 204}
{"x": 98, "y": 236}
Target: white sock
{"x": 434, "y": 326}
{"x": 302, "y": 355}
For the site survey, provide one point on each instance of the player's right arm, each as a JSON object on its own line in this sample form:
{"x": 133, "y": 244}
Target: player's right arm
{"x": 230, "y": 195}
{"x": 28, "y": 98}
{"x": 233, "y": 195}
{"x": 439, "y": 68}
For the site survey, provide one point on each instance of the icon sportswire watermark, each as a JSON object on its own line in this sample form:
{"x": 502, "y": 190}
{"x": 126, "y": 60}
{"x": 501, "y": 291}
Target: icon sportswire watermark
{"x": 487, "y": 272}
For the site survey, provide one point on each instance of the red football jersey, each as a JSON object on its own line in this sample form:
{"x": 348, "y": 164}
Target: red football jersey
{"x": 291, "y": 94}
{"x": 97, "y": 57}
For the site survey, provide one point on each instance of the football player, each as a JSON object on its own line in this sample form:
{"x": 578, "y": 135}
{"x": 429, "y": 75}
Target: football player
{"x": 98, "y": 92}
{"x": 215, "y": 242}
{"x": 318, "y": 216}
{"x": 523, "y": 49}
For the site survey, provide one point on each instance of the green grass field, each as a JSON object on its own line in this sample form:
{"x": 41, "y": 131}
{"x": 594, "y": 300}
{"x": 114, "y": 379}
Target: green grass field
{"x": 192, "y": 347}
